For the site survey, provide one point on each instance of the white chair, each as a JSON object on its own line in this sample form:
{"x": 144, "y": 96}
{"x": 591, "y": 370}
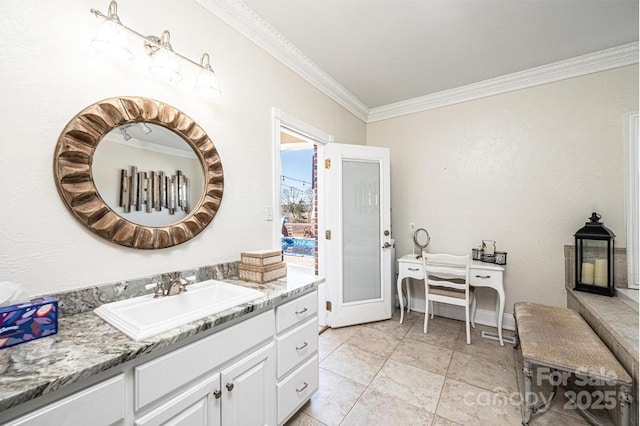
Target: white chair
{"x": 446, "y": 280}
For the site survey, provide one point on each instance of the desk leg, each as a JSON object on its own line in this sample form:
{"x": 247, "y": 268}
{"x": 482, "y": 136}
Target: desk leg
{"x": 500, "y": 313}
{"x": 399, "y": 288}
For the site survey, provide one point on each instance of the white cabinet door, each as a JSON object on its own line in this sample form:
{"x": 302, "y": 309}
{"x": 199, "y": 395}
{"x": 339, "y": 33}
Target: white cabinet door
{"x": 248, "y": 390}
{"x": 198, "y": 406}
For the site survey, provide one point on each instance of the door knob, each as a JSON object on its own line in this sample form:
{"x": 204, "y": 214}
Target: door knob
{"x": 386, "y": 245}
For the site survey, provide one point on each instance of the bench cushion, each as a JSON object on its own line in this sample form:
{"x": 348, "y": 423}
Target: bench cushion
{"x": 560, "y": 338}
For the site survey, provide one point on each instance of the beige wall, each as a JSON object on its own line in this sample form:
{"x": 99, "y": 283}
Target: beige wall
{"x": 525, "y": 168}
{"x": 49, "y": 72}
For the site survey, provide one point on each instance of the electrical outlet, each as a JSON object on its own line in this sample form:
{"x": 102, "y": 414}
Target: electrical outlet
{"x": 268, "y": 213}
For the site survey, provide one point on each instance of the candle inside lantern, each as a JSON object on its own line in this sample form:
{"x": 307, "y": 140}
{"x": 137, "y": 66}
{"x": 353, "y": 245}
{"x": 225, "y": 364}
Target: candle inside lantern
{"x": 600, "y": 273}
{"x": 587, "y": 273}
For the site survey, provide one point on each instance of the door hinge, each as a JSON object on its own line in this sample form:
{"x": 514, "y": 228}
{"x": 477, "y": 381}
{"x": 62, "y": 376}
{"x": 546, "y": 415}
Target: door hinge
{"x": 328, "y": 305}
{"x": 327, "y": 234}
{"x": 327, "y": 163}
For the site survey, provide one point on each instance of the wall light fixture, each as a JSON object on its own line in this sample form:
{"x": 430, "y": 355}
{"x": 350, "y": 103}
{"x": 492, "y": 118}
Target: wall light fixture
{"x": 113, "y": 38}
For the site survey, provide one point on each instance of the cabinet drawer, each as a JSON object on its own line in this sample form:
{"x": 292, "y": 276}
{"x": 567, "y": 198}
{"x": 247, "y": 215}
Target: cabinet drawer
{"x": 297, "y": 388}
{"x": 296, "y": 346}
{"x": 101, "y": 404}
{"x": 485, "y": 278}
{"x": 164, "y": 375}
{"x": 296, "y": 311}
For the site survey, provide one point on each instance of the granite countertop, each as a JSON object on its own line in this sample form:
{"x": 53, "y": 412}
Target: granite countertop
{"x": 86, "y": 345}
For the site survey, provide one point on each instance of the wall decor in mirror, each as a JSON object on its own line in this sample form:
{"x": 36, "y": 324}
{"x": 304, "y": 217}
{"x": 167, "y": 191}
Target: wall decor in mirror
{"x": 172, "y": 164}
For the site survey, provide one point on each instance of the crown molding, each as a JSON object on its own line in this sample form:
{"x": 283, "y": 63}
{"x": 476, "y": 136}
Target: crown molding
{"x": 239, "y": 16}
{"x": 602, "y": 60}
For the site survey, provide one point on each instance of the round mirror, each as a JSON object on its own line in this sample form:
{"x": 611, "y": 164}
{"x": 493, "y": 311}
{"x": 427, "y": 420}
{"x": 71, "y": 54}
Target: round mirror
{"x": 421, "y": 238}
{"x": 138, "y": 172}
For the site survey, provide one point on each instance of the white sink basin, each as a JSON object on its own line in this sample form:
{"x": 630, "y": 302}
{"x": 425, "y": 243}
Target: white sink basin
{"x": 146, "y": 316}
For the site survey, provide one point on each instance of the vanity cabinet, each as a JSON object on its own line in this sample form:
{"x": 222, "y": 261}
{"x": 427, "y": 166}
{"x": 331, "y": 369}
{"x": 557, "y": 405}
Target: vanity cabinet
{"x": 216, "y": 379}
{"x": 258, "y": 371}
{"x": 241, "y": 394}
{"x": 297, "y": 347}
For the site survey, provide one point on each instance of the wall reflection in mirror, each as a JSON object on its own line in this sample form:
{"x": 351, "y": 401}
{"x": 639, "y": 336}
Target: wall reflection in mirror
{"x": 148, "y": 174}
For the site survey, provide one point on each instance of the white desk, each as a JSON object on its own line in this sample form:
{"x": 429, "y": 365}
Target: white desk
{"x": 481, "y": 275}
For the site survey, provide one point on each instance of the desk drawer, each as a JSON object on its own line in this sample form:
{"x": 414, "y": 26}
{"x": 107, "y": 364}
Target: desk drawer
{"x": 412, "y": 270}
{"x": 485, "y": 278}
{"x": 295, "y": 346}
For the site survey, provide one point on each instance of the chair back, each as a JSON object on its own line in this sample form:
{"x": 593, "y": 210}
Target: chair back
{"x": 446, "y": 270}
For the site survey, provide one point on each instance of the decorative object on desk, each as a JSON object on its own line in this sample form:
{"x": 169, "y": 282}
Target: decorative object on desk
{"x": 594, "y": 257}
{"x": 476, "y": 253}
{"x": 488, "y": 251}
{"x": 501, "y": 258}
{"x": 488, "y": 247}
{"x": 421, "y": 238}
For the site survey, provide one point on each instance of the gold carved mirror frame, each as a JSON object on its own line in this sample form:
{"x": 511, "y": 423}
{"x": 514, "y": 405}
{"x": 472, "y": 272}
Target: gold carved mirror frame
{"x": 73, "y": 160}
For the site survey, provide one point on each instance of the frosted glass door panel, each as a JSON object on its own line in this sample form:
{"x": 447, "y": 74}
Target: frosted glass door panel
{"x": 361, "y": 231}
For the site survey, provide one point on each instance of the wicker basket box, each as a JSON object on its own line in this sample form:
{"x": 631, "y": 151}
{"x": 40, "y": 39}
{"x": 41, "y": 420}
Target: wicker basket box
{"x": 262, "y": 274}
{"x": 261, "y": 257}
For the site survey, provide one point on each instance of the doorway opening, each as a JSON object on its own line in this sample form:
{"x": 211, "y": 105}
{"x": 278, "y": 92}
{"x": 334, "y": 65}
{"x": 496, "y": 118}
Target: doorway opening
{"x": 298, "y": 200}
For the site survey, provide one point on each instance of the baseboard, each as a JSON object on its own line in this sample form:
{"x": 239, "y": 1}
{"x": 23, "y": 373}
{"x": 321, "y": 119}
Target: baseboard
{"x": 483, "y": 316}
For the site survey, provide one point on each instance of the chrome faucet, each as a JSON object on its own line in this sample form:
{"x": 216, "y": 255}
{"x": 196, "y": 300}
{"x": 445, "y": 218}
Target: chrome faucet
{"x": 171, "y": 288}
{"x": 176, "y": 286}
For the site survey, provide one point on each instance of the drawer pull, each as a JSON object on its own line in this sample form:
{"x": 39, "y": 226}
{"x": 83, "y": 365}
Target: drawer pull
{"x": 229, "y": 386}
{"x": 414, "y": 269}
{"x": 217, "y": 393}
{"x": 303, "y": 387}
{"x": 483, "y": 276}
{"x": 301, "y": 347}
{"x": 302, "y": 311}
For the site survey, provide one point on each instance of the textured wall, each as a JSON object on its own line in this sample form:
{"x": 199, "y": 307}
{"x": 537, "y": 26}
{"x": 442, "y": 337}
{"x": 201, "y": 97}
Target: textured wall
{"x": 49, "y": 73}
{"x": 525, "y": 168}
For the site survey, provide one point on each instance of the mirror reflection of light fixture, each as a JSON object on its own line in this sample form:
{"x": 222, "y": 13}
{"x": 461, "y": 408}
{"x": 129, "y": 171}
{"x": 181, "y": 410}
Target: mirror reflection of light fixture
{"x": 113, "y": 37}
{"x": 146, "y": 129}
{"x": 125, "y": 133}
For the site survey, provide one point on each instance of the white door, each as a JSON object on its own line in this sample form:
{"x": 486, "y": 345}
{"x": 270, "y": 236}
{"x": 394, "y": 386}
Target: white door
{"x": 359, "y": 245}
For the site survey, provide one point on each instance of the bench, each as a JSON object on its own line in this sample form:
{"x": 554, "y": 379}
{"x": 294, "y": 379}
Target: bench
{"x": 560, "y": 340}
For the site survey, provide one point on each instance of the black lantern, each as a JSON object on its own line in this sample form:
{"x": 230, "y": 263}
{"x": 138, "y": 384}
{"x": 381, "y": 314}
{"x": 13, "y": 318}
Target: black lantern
{"x": 594, "y": 258}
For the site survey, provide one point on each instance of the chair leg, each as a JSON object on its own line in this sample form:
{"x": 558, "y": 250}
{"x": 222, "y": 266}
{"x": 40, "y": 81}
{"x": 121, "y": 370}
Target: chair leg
{"x": 466, "y": 323}
{"x": 473, "y": 312}
{"x": 433, "y": 311}
{"x": 426, "y": 315}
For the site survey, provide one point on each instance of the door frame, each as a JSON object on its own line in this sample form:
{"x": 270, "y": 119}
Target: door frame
{"x": 320, "y": 138}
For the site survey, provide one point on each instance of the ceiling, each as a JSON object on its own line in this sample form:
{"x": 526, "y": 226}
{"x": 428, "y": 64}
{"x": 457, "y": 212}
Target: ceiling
{"x": 388, "y": 51}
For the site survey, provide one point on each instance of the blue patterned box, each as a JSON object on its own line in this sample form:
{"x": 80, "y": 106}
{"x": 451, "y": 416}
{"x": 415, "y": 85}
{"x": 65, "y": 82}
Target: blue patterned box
{"x": 28, "y": 321}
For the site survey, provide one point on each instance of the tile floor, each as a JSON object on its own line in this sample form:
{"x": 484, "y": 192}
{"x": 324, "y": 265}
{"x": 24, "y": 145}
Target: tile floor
{"x": 386, "y": 373}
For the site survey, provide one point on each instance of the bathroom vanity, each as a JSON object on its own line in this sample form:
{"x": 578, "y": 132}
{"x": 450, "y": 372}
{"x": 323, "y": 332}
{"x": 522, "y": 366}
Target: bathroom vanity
{"x": 254, "y": 364}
